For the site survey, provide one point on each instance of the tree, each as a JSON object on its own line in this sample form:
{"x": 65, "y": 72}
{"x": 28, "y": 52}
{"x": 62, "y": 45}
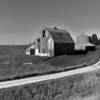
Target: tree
{"x": 90, "y": 39}
{"x": 94, "y": 39}
{"x": 99, "y": 41}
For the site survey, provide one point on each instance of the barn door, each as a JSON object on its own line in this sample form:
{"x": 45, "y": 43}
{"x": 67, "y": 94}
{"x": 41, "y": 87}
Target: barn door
{"x": 32, "y": 51}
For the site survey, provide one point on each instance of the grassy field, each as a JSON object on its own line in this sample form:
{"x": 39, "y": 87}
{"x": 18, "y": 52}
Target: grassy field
{"x": 12, "y": 59}
{"x": 78, "y": 87}
{"x": 15, "y": 64}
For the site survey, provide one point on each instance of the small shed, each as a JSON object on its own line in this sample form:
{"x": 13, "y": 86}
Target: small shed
{"x": 30, "y": 50}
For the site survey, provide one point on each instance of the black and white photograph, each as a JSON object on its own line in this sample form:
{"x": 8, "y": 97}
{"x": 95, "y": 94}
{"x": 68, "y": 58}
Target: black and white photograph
{"x": 49, "y": 49}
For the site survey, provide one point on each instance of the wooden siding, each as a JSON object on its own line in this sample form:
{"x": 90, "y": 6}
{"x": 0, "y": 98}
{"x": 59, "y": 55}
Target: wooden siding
{"x": 46, "y": 44}
{"x": 63, "y": 48}
{"x": 49, "y": 47}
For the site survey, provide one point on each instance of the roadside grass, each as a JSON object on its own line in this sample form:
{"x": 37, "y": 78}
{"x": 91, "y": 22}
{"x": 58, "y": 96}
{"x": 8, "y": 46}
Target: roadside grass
{"x": 77, "y": 87}
{"x": 12, "y": 59}
{"x": 92, "y": 97}
{"x": 15, "y": 64}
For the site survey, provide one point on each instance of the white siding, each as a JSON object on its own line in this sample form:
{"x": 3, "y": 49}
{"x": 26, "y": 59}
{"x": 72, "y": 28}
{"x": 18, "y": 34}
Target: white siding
{"x": 51, "y": 46}
{"x": 82, "y": 39}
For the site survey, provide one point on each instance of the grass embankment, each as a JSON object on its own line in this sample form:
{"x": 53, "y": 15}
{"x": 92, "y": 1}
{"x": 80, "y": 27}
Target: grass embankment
{"x": 14, "y": 63}
{"x": 78, "y": 87}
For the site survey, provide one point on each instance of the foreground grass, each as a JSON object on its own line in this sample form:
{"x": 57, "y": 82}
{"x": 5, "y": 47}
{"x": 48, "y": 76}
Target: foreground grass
{"x": 15, "y": 64}
{"x": 78, "y": 87}
{"x": 12, "y": 59}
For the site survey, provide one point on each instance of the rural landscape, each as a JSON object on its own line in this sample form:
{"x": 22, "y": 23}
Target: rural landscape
{"x": 15, "y": 64}
{"x": 49, "y": 50}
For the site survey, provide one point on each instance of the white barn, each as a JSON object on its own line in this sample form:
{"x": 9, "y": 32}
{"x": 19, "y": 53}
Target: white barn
{"x": 52, "y": 42}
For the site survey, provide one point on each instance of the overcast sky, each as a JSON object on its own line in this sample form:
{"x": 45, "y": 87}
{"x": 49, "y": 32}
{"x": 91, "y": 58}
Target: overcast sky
{"x": 21, "y": 20}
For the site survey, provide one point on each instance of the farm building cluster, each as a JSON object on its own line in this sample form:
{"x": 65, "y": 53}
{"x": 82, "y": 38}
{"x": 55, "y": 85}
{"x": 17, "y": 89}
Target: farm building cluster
{"x": 54, "y": 42}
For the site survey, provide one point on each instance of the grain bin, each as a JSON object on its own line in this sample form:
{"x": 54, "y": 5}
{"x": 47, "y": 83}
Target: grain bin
{"x": 83, "y": 43}
{"x": 82, "y": 38}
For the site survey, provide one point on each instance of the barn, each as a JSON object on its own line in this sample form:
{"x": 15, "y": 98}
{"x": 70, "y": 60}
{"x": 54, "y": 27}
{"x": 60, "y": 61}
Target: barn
{"x": 83, "y": 43}
{"x": 54, "y": 42}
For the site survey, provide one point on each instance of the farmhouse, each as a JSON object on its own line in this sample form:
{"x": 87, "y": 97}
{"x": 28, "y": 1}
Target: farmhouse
{"x": 53, "y": 42}
{"x": 83, "y": 43}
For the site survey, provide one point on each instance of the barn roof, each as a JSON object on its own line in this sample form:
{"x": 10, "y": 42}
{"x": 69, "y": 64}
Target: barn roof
{"x": 59, "y": 35}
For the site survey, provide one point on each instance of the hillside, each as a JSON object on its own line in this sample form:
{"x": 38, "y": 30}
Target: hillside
{"x": 15, "y": 64}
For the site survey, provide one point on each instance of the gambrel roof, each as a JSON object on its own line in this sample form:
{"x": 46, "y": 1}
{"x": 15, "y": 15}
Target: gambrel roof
{"x": 59, "y": 35}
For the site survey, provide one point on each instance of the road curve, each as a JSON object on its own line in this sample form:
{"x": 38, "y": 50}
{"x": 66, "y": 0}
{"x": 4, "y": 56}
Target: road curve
{"x": 36, "y": 79}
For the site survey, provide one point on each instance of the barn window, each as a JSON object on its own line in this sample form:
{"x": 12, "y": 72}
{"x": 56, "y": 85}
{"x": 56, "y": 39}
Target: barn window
{"x": 44, "y": 33}
{"x": 38, "y": 44}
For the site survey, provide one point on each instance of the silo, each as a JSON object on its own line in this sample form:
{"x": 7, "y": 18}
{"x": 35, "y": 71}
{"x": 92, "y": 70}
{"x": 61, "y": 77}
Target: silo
{"x": 82, "y": 38}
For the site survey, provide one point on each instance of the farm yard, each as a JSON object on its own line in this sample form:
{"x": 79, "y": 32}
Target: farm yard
{"x": 15, "y": 64}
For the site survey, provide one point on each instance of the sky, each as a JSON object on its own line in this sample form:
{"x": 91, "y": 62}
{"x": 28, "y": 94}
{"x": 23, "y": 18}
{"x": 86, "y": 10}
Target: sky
{"x": 22, "y": 20}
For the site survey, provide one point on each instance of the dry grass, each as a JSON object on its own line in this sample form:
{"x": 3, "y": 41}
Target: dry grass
{"x": 12, "y": 59}
{"x": 69, "y": 60}
{"x": 77, "y": 87}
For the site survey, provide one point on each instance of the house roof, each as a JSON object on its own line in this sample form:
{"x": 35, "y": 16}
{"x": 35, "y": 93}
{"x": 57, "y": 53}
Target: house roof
{"x": 59, "y": 35}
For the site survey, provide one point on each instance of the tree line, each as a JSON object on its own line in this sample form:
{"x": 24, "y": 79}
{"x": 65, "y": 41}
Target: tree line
{"x": 94, "y": 39}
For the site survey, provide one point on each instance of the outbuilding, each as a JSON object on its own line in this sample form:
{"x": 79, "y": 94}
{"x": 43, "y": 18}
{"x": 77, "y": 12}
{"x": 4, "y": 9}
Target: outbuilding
{"x": 83, "y": 43}
{"x": 30, "y": 50}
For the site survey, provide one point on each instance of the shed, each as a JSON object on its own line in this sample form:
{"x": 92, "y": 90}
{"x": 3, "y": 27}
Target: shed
{"x": 32, "y": 49}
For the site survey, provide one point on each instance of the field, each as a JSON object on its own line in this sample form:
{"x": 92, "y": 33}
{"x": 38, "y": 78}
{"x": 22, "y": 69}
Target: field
{"x": 15, "y": 64}
{"x": 78, "y": 87}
